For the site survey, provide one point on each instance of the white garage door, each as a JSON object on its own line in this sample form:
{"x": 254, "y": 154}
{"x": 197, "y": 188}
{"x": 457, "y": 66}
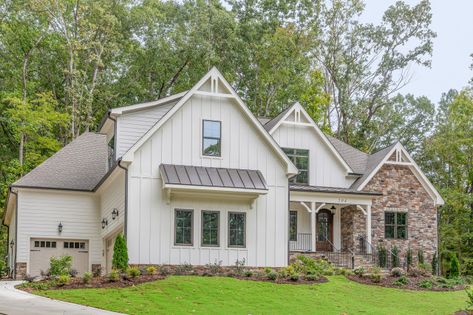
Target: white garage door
{"x": 43, "y": 249}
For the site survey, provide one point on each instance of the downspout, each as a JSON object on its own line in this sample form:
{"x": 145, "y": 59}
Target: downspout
{"x": 16, "y": 232}
{"x": 125, "y": 225}
{"x": 288, "y": 222}
{"x": 114, "y": 135}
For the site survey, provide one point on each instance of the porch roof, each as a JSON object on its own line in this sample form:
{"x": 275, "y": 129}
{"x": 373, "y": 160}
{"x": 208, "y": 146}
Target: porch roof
{"x": 332, "y": 190}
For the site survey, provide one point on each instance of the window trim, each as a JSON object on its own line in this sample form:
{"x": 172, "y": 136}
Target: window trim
{"x": 202, "y": 228}
{"x": 244, "y": 229}
{"x": 213, "y": 138}
{"x": 294, "y": 179}
{"x": 192, "y": 227}
{"x": 396, "y": 225}
{"x": 296, "y": 214}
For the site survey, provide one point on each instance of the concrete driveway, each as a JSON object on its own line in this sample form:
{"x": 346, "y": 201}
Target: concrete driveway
{"x": 13, "y": 301}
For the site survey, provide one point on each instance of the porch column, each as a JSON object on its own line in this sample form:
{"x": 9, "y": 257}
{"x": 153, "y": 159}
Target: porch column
{"x": 368, "y": 227}
{"x": 312, "y": 225}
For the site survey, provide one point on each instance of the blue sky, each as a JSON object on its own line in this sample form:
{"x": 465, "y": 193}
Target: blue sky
{"x": 453, "y": 23}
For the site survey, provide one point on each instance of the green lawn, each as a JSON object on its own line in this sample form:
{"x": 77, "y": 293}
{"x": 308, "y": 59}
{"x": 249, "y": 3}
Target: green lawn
{"x": 215, "y": 295}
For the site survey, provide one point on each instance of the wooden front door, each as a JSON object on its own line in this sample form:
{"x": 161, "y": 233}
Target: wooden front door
{"x": 324, "y": 230}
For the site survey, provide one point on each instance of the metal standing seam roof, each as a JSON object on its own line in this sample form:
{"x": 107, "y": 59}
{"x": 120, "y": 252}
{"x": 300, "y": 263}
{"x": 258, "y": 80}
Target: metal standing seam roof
{"x": 333, "y": 190}
{"x": 212, "y": 177}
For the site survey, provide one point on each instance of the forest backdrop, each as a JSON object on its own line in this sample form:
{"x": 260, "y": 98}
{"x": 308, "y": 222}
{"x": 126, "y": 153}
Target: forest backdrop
{"x": 64, "y": 63}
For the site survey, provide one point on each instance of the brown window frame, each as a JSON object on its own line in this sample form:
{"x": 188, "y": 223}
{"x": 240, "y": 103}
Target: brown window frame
{"x": 192, "y": 227}
{"x": 395, "y": 225}
{"x": 203, "y": 212}
{"x": 244, "y": 229}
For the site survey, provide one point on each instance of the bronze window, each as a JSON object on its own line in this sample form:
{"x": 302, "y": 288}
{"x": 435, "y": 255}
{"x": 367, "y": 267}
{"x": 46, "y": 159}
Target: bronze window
{"x": 395, "y": 225}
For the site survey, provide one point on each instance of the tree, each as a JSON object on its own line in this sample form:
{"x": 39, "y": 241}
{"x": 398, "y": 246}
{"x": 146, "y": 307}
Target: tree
{"x": 120, "y": 253}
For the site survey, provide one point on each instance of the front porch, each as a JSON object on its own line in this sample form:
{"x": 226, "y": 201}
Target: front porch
{"x": 335, "y": 224}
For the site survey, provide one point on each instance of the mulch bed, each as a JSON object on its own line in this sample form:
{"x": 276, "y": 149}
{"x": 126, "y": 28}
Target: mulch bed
{"x": 413, "y": 283}
{"x": 463, "y": 313}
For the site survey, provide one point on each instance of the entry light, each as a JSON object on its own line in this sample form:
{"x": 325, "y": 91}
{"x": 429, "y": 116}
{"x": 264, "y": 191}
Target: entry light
{"x": 59, "y": 227}
{"x": 104, "y": 223}
{"x": 114, "y": 213}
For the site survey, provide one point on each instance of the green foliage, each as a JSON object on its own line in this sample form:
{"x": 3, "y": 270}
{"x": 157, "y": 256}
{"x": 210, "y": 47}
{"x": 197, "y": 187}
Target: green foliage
{"x": 133, "y": 272}
{"x": 294, "y": 277}
{"x": 469, "y": 301}
{"x": 434, "y": 263}
{"x": 397, "y": 272}
{"x": 151, "y": 270}
{"x": 382, "y": 256}
{"x": 420, "y": 256}
{"x": 114, "y": 275}
{"x": 454, "y": 271}
{"x": 87, "y": 277}
{"x": 395, "y": 257}
{"x": 359, "y": 271}
{"x": 60, "y": 266}
{"x": 63, "y": 279}
{"x": 409, "y": 257}
{"x": 248, "y": 273}
{"x": 272, "y": 275}
{"x": 426, "y": 284}
{"x": 311, "y": 277}
{"x": 120, "y": 253}
{"x": 240, "y": 266}
{"x": 214, "y": 268}
{"x": 425, "y": 267}
{"x": 402, "y": 281}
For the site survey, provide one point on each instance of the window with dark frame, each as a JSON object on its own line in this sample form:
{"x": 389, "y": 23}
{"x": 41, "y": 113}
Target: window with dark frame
{"x": 183, "y": 226}
{"x": 45, "y": 244}
{"x": 395, "y": 225}
{"x": 236, "y": 229}
{"x": 211, "y": 137}
{"x": 210, "y": 228}
{"x": 293, "y": 225}
{"x": 300, "y": 158}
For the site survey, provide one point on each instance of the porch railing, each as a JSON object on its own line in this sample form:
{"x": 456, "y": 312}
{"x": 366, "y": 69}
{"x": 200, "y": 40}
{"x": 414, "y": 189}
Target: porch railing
{"x": 339, "y": 258}
{"x": 302, "y": 243}
{"x": 382, "y": 257}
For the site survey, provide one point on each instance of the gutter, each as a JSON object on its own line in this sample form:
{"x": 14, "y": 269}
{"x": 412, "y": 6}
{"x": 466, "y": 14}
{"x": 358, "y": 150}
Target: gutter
{"x": 16, "y": 232}
{"x": 125, "y": 224}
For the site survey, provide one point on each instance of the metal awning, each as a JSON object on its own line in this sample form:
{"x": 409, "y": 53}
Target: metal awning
{"x": 331, "y": 190}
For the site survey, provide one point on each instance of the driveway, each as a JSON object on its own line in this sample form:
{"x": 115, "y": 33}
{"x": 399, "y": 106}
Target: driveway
{"x": 13, "y": 301}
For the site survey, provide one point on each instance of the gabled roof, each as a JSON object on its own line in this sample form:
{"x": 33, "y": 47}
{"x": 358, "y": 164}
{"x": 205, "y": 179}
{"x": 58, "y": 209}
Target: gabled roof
{"x": 215, "y": 77}
{"x": 269, "y": 125}
{"x": 354, "y": 157}
{"x": 80, "y": 165}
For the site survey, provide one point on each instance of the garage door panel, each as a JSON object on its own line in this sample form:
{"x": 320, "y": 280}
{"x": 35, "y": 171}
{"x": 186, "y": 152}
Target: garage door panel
{"x": 43, "y": 249}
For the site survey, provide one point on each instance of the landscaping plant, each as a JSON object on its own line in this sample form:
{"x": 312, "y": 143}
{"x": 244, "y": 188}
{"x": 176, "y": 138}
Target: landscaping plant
{"x": 273, "y": 275}
{"x": 133, "y": 272}
{"x": 395, "y": 257}
{"x": 87, "y": 277}
{"x": 114, "y": 275}
{"x": 401, "y": 281}
{"x": 454, "y": 271}
{"x": 469, "y": 301}
{"x": 409, "y": 257}
{"x": 420, "y": 256}
{"x": 359, "y": 271}
{"x": 120, "y": 253}
{"x": 60, "y": 266}
{"x": 397, "y": 272}
{"x": 63, "y": 279}
{"x": 382, "y": 256}
{"x": 151, "y": 270}
{"x": 434, "y": 264}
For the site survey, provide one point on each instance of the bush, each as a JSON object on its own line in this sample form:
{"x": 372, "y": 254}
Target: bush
{"x": 214, "y": 268}
{"x": 448, "y": 283}
{"x": 382, "y": 256}
{"x": 435, "y": 263}
{"x": 409, "y": 257}
{"x": 426, "y": 284}
{"x": 395, "y": 257}
{"x": 359, "y": 271}
{"x": 268, "y": 270}
{"x": 426, "y": 269}
{"x": 294, "y": 277}
{"x": 248, "y": 273}
{"x": 401, "y": 281}
{"x": 73, "y": 273}
{"x": 420, "y": 256}
{"x": 120, "y": 253}
{"x": 240, "y": 266}
{"x": 415, "y": 272}
{"x": 164, "y": 271}
{"x": 97, "y": 272}
{"x": 397, "y": 272}
{"x": 60, "y": 266}
{"x": 311, "y": 277}
{"x": 133, "y": 272}
{"x": 376, "y": 277}
{"x": 114, "y": 275}
{"x": 63, "y": 280}
{"x": 273, "y": 275}
{"x": 454, "y": 271}
{"x": 469, "y": 301}
{"x": 151, "y": 270}
{"x": 87, "y": 277}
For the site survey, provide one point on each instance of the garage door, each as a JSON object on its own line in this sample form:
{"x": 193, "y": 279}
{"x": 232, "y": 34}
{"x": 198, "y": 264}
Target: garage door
{"x": 43, "y": 249}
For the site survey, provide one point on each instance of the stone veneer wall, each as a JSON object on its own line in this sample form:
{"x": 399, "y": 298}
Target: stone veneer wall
{"x": 401, "y": 189}
{"x": 353, "y": 226}
{"x": 20, "y": 270}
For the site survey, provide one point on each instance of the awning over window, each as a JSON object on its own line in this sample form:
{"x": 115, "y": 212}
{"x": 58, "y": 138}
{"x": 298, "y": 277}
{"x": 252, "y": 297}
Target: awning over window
{"x": 212, "y": 179}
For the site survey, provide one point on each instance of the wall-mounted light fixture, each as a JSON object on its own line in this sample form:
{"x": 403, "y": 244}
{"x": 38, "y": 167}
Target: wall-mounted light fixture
{"x": 333, "y": 208}
{"x": 104, "y": 223}
{"x": 12, "y": 243}
{"x": 114, "y": 213}
{"x": 59, "y": 227}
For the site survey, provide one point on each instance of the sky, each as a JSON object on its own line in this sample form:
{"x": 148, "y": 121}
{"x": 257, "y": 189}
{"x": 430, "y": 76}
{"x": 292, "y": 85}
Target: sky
{"x": 452, "y": 21}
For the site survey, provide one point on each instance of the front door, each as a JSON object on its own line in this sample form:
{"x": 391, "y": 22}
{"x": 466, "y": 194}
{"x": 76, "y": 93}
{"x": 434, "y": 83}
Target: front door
{"x": 324, "y": 231}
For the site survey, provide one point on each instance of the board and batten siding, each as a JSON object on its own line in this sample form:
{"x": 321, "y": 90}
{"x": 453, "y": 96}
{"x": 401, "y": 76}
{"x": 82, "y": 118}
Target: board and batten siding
{"x": 178, "y": 141}
{"x": 324, "y": 167}
{"x": 112, "y": 196}
{"x": 12, "y": 237}
{"x": 40, "y": 211}
{"x": 132, "y": 126}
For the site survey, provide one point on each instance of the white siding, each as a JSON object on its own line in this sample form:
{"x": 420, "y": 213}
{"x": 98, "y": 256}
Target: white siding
{"x": 113, "y": 196}
{"x": 178, "y": 141}
{"x": 11, "y": 236}
{"x": 39, "y": 213}
{"x": 324, "y": 167}
{"x": 132, "y": 126}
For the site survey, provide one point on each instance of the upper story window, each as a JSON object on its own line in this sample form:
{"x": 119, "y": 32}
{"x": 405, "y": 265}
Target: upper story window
{"x": 395, "y": 225}
{"x": 300, "y": 158}
{"x": 211, "y": 138}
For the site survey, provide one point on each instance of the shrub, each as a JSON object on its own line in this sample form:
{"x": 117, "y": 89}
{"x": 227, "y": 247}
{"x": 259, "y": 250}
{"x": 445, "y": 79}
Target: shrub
{"x": 359, "y": 271}
{"x": 120, "y": 254}
{"x": 214, "y": 268}
{"x": 133, "y": 272}
{"x": 435, "y": 263}
{"x": 382, "y": 256}
{"x": 273, "y": 275}
{"x": 294, "y": 277}
{"x": 151, "y": 270}
{"x": 60, "y": 266}
{"x": 87, "y": 277}
{"x": 426, "y": 284}
{"x": 401, "y": 281}
{"x": 114, "y": 275}
{"x": 415, "y": 272}
{"x": 268, "y": 270}
{"x": 97, "y": 272}
{"x": 164, "y": 270}
{"x": 397, "y": 272}
{"x": 186, "y": 268}
{"x": 63, "y": 280}
{"x": 409, "y": 257}
{"x": 376, "y": 277}
{"x": 311, "y": 277}
{"x": 469, "y": 301}
{"x": 29, "y": 278}
{"x": 240, "y": 266}
{"x": 248, "y": 273}
{"x": 420, "y": 256}
{"x": 454, "y": 271}
{"x": 395, "y": 257}
{"x": 426, "y": 269}
{"x": 448, "y": 283}
{"x": 73, "y": 273}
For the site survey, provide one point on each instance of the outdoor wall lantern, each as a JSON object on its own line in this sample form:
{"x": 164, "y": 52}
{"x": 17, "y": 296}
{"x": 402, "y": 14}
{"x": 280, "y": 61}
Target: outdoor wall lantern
{"x": 59, "y": 227}
{"x": 104, "y": 223}
{"x": 333, "y": 208}
{"x": 115, "y": 213}
{"x": 12, "y": 243}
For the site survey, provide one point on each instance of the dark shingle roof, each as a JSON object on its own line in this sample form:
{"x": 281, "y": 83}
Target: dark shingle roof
{"x": 212, "y": 177}
{"x": 335, "y": 190}
{"x": 355, "y": 158}
{"x": 270, "y": 124}
{"x": 80, "y": 165}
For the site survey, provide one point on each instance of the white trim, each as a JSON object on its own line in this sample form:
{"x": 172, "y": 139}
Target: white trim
{"x": 399, "y": 148}
{"x": 212, "y": 74}
{"x": 215, "y": 189}
{"x": 311, "y": 123}
{"x": 140, "y": 106}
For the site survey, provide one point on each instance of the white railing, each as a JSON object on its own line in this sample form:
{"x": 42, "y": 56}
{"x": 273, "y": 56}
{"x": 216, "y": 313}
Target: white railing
{"x": 303, "y": 243}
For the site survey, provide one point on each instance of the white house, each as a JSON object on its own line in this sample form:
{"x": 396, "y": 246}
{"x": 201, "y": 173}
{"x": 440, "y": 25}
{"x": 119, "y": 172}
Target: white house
{"x": 197, "y": 178}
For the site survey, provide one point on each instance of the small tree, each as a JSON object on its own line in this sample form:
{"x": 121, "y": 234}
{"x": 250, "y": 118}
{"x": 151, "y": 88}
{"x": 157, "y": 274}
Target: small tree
{"x": 434, "y": 263}
{"x": 409, "y": 257}
{"x": 454, "y": 271}
{"x": 382, "y": 256}
{"x": 420, "y": 256}
{"x": 395, "y": 257}
{"x": 120, "y": 253}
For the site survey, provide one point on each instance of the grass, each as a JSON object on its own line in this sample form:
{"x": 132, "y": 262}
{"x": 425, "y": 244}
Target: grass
{"x": 215, "y": 295}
